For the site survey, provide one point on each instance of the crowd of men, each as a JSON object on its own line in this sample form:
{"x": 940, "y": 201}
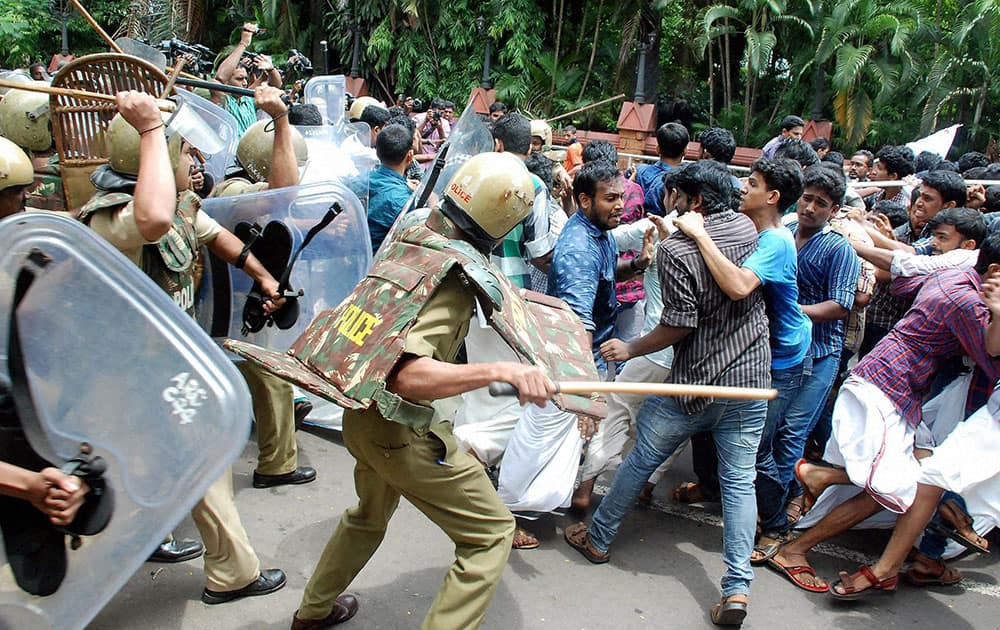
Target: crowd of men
{"x": 862, "y": 289}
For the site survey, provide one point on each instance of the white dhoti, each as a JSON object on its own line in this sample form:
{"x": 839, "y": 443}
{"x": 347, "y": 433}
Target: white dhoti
{"x": 873, "y": 442}
{"x": 542, "y": 458}
{"x": 607, "y": 447}
{"x": 483, "y": 424}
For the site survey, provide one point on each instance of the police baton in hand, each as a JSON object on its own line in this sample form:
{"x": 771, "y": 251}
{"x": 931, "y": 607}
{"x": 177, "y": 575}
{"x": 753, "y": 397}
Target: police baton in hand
{"x": 498, "y": 389}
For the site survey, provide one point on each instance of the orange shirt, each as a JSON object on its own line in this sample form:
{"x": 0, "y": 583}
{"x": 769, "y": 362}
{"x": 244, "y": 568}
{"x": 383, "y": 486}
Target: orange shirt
{"x": 574, "y": 156}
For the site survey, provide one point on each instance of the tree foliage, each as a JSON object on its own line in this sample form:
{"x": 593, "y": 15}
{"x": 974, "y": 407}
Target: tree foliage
{"x": 882, "y": 70}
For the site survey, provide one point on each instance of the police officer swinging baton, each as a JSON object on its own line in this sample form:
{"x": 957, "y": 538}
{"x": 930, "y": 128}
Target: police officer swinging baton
{"x": 498, "y": 389}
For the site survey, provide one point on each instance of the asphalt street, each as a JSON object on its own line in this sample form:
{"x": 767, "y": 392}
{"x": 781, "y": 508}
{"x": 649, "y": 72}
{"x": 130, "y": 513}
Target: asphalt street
{"x": 664, "y": 571}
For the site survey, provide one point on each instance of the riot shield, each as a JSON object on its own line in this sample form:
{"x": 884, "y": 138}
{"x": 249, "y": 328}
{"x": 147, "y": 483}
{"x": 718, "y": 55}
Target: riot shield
{"x": 469, "y": 136}
{"x": 340, "y": 153}
{"x": 326, "y": 271}
{"x": 105, "y": 357}
{"x": 327, "y": 92}
{"x": 222, "y": 153}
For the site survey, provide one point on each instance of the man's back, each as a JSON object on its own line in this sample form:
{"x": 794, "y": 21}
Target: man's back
{"x": 729, "y": 344}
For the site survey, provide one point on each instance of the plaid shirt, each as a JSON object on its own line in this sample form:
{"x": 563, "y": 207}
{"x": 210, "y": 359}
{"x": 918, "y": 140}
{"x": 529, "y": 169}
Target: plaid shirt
{"x": 886, "y": 309}
{"x": 854, "y": 327}
{"x": 630, "y": 291}
{"x": 948, "y": 316}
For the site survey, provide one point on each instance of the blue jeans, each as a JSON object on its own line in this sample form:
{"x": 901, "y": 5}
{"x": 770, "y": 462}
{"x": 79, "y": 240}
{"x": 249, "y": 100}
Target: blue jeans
{"x": 771, "y": 492}
{"x": 661, "y": 427}
{"x": 801, "y": 417}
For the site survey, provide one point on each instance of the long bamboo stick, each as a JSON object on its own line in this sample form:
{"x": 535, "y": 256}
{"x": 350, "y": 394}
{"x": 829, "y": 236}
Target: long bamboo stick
{"x": 648, "y": 389}
{"x": 165, "y": 106}
{"x": 586, "y": 107}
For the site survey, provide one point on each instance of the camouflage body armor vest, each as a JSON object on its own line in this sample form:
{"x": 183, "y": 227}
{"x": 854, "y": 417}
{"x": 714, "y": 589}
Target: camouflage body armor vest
{"x": 47, "y": 191}
{"x": 347, "y": 353}
{"x": 170, "y": 263}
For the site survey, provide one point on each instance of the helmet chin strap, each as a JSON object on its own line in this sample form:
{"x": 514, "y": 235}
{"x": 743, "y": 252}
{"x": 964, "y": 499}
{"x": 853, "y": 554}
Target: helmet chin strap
{"x": 473, "y": 233}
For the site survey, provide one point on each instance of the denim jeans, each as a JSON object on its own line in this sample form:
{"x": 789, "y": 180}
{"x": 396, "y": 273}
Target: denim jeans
{"x": 662, "y": 427}
{"x": 771, "y": 492}
{"x": 801, "y": 417}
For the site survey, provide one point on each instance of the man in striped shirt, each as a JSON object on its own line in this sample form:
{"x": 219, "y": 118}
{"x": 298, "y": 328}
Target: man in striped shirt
{"x": 717, "y": 341}
{"x": 879, "y": 408}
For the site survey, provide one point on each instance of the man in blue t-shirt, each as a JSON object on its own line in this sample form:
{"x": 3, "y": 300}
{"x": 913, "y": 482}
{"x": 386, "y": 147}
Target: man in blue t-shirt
{"x": 671, "y": 142}
{"x": 388, "y": 190}
{"x": 773, "y": 186}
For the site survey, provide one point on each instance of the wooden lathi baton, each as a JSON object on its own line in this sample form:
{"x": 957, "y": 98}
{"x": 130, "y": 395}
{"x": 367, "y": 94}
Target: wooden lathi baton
{"x": 648, "y": 389}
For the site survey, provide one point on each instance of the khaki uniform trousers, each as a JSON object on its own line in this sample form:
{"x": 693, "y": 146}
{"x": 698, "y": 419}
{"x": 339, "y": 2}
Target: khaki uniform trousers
{"x": 230, "y": 561}
{"x": 274, "y": 410}
{"x": 392, "y": 461}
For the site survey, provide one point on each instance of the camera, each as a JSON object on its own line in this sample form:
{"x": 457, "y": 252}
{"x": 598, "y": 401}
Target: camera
{"x": 436, "y": 114}
{"x": 203, "y": 56}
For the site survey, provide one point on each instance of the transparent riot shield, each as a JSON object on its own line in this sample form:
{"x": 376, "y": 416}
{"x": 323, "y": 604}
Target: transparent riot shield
{"x": 469, "y": 136}
{"x": 328, "y": 93}
{"x": 339, "y": 153}
{"x": 221, "y": 152}
{"x": 109, "y": 360}
{"x": 327, "y": 270}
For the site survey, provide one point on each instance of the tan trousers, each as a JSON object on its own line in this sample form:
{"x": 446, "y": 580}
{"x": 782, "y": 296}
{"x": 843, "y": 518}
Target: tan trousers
{"x": 230, "y": 561}
{"x": 394, "y": 461}
{"x": 274, "y": 410}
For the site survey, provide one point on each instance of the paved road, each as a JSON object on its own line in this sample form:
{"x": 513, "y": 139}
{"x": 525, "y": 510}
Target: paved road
{"x": 664, "y": 572}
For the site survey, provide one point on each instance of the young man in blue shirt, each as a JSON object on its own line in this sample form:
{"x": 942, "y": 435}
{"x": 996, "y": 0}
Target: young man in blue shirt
{"x": 389, "y": 191}
{"x": 671, "y": 142}
{"x": 773, "y": 186}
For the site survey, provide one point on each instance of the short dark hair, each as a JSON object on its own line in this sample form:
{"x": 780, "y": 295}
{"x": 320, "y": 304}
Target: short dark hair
{"x": 305, "y": 114}
{"x": 898, "y": 160}
{"x": 827, "y": 178}
{"x": 868, "y": 155}
{"x": 498, "y": 107}
{"x": 375, "y": 116}
{"x": 514, "y": 130}
{"x": 590, "y": 174}
{"x": 396, "y": 110}
{"x": 798, "y": 150}
{"x": 712, "y": 181}
{"x": 967, "y": 222}
{"x": 972, "y": 159}
{"x": 820, "y": 143}
{"x": 989, "y": 252}
{"x": 949, "y": 185}
{"x": 976, "y": 172}
{"x": 945, "y": 165}
{"x": 541, "y": 167}
{"x": 782, "y": 175}
{"x": 393, "y": 143}
{"x": 672, "y": 139}
{"x": 992, "y": 199}
{"x": 719, "y": 142}
{"x": 446, "y": 104}
{"x": 600, "y": 150}
{"x": 894, "y": 211}
{"x": 791, "y": 122}
{"x": 833, "y": 157}
{"x": 926, "y": 161}
{"x": 992, "y": 171}
{"x": 404, "y": 120}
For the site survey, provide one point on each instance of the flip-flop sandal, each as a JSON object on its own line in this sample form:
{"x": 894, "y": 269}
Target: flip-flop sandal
{"x": 727, "y": 613}
{"x": 961, "y": 530}
{"x": 792, "y": 572}
{"x": 947, "y": 577}
{"x": 793, "y": 511}
{"x": 769, "y": 550}
{"x": 874, "y": 586}
{"x": 808, "y": 499}
{"x": 528, "y": 540}
{"x": 578, "y": 538}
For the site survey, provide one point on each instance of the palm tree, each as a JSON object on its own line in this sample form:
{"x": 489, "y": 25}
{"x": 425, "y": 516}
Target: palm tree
{"x": 868, "y": 43}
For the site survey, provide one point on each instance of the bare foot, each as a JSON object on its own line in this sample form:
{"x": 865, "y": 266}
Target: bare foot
{"x": 581, "y": 496}
{"x": 646, "y": 495}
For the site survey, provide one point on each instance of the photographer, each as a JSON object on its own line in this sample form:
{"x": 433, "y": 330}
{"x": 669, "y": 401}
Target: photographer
{"x": 245, "y": 69}
{"x": 433, "y": 129}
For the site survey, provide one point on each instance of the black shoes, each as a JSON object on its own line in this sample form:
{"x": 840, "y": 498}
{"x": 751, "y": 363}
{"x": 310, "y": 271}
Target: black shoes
{"x": 177, "y": 551}
{"x": 302, "y": 474}
{"x": 270, "y": 580}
